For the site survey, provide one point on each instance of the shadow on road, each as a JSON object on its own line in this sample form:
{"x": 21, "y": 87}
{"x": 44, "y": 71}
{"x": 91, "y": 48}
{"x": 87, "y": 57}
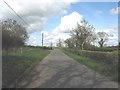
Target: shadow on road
{"x": 63, "y": 72}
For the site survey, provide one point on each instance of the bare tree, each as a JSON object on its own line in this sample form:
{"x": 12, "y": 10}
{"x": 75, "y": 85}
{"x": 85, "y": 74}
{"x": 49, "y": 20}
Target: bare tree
{"x": 102, "y": 38}
{"x": 82, "y": 33}
{"x": 60, "y": 42}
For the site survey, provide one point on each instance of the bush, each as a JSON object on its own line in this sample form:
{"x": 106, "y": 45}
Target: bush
{"x": 106, "y": 57}
{"x": 41, "y": 47}
{"x": 103, "y": 49}
{"x": 100, "y": 62}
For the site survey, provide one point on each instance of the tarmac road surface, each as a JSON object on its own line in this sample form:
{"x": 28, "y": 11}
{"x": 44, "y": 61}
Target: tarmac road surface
{"x": 57, "y": 70}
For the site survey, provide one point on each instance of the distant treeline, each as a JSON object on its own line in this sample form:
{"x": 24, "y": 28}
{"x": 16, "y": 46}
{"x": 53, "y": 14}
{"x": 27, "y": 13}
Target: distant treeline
{"x": 41, "y": 47}
{"x": 104, "y": 49}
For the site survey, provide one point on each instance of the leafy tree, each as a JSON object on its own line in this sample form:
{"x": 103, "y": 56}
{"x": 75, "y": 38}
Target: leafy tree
{"x": 102, "y": 38}
{"x": 70, "y": 42}
{"x": 13, "y": 34}
{"x": 83, "y": 33}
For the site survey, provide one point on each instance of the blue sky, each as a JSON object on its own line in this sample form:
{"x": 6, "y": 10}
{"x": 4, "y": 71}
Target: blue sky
{"x": 90, "y": 12}
{"x": 53, "y": 18}
{"x": 96, "y": 13}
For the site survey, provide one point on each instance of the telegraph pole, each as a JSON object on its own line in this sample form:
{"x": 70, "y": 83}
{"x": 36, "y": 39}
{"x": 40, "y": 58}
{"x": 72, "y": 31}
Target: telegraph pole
{"x": 51, "y": 45}
{"x": 42, "y": 38}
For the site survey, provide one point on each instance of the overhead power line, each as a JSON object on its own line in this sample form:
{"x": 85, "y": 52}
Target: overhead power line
{"x": 17, "y": 14}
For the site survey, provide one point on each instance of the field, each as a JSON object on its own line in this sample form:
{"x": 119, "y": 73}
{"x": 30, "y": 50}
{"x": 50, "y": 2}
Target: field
{"x": 105, "y": 63}
{"x": 16, "y": 65}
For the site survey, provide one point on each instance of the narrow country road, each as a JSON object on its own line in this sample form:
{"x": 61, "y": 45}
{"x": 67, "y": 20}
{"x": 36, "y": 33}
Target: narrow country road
{"x": 57, "y": 70}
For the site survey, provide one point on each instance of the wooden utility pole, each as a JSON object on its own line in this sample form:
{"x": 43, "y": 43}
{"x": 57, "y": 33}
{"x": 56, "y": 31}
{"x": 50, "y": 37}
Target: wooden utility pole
{"x": 42, "y": 38}
{"x": 51, "y": 45}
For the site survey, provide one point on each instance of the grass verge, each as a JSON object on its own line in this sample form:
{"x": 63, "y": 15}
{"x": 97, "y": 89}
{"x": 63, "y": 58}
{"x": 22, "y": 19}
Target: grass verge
{"x": 17, "y": 65}
{"x": 108, "y": 70}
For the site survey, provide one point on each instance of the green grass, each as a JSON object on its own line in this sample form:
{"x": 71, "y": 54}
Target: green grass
{"x": 108, "y": 70}
{"x": 16, "y": 65}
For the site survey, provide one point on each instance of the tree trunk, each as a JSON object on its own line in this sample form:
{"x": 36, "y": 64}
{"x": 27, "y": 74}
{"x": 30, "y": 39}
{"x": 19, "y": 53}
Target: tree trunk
{"x": 82, "y": 46}
{"x": 101, "y": 45}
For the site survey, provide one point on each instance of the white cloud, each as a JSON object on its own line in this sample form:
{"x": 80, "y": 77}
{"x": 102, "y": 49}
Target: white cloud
{"x": 32, "y": 40}
{"x": 115, "y": 11}
{"x": 67, "y": 23}
{"x": 113, "y": 34}
{"x": 34, "y": 11}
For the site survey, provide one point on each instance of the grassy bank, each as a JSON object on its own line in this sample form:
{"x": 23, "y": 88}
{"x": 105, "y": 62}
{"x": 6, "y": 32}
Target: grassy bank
{"x": 108, "y": 70}
{"x": 16, "y": 65}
